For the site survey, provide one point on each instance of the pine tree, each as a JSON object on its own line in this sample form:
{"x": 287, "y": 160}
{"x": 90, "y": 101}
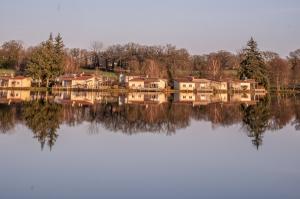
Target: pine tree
{"x": 47, "y": 60}
{"x": 253, "y": 65}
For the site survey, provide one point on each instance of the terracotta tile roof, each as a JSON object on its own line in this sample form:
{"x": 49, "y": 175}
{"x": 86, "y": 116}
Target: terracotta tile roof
{"x": 70, "y": 78}
{"x": 19, "y": 77}
{"x": 243, "y": 81}
{"x": 184, "y": 79}
{"x": 146, "y": 80}
{"x": 13, "y": 78}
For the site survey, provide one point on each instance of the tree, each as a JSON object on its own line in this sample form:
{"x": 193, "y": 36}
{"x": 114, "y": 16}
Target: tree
{"x": 12, "y": 55}
{"x": 47, "y": 61}
{"x": 96, "y": 53}
{"x": 294, "y": 60}
{"x": 252, "y": 65}
{"x": 279, "y": 70}
{"x": 214, "y": 66}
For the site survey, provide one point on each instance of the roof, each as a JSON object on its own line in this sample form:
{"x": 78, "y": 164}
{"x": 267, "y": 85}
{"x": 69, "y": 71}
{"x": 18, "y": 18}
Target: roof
{"x": 201, "y": 80}
{"x": 19, "y": 77}
{"x": 243, "y": 81}
{"x": 13, "y": 78}
{"x": 70, "y": 78}
{"x": 145, "y": 79}
{"x": 184, "y": 79}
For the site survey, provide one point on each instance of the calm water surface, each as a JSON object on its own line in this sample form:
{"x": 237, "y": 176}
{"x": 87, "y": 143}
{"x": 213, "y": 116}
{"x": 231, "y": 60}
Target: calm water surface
{"x": 83, "y": 145}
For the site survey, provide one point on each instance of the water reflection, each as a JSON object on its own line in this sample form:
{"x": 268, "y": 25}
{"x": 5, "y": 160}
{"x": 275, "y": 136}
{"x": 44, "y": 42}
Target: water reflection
{"x": 132, "y": 113}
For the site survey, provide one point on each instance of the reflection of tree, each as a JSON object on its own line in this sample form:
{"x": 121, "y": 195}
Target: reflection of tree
{"x": 256, "y": 118}
{"x": 296, "y": 122}
{"x": 282, "y": 112}
{"x": 43, "y": 118}
{"x": 6, "y": 118}
{"x": 218, "y": 114}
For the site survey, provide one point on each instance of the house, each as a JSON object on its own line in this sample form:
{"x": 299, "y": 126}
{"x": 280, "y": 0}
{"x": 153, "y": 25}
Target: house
{"x": 203, "y": 85}
{"x": 124, "y": 79}
{"x": 81, "y": 81}
{"x": 199, "y": 84}
{"x": 147, "y": 84}
{"x": 219, "y": 85}
{"x": 243, "y": 85}
{"x": 15, "y": 82}
{"x": 184, "y": 84}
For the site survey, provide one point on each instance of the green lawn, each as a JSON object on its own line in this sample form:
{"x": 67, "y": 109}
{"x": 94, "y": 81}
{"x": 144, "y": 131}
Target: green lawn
{"x": 231, "y": 72}
{"x": 104, "y": 73}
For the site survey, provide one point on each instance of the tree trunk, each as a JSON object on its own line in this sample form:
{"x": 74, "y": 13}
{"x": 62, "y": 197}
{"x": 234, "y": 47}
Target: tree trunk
{"x": 39, "y": 83}
{"x": 277, "y": 82}
{"x": 47, "y": 83}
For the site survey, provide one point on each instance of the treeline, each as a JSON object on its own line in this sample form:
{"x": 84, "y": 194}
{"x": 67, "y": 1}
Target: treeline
{"x": 51, "y": 58}
{"x": 45, "y": 117}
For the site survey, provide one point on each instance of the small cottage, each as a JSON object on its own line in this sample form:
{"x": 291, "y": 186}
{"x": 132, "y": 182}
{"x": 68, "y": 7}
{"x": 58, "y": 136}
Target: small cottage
{"x": 15, "y": 82}
{"x": 184, "y": 84}
{"x": 82, "y": 81}
{"x": 243, "y": 85}
{"x": 149, "y": 84}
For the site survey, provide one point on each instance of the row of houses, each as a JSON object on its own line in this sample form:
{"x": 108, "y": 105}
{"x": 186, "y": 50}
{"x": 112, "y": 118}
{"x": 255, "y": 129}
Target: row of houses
{"x": 192, "y": 84}
{"x": 70, "y": 81}
{"x": 139, "y": 83}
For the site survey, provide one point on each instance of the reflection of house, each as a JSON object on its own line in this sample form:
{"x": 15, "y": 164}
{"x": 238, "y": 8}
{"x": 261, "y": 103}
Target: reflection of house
{"x": 185, "y": 97}
{"x": 242, "y": 85}
{"x": 146, "y": 98}
{"x": 145, "y": 83}
{"x": 8, "y": 96}
{"x": 243, "y": 98}
{"x": 200, "y": 98}
{"x": 84, "y": 98}
{"x": 15, "y": 82}
{"x": 75, "y": 98}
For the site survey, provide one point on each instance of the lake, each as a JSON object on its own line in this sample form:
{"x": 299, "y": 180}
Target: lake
{"x": 149, "y": 145}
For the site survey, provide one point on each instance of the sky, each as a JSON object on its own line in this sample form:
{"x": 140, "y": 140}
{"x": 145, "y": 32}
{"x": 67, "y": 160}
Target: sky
{"x": 200, "y": 26}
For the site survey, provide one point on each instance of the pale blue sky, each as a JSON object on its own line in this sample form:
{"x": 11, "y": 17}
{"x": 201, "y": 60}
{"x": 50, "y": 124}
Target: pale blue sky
{"x": 201, "y": 26}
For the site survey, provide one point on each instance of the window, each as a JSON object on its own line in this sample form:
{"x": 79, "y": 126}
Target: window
{"x": 190, "y": 85}
{"x": 190, "y": 97}
{"x": 184, "y": 85}
{"x": 133, "y": 85}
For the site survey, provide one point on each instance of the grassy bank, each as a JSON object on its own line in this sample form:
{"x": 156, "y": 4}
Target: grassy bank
{"x": 6, "y": 71}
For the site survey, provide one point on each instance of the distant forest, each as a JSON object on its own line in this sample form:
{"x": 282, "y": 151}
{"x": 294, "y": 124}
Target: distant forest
{"x": 51, "y": 58}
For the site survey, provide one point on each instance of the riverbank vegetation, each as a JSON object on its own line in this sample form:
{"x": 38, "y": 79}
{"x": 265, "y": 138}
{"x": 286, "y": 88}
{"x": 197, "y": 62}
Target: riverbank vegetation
{"x": 50, "y": 59}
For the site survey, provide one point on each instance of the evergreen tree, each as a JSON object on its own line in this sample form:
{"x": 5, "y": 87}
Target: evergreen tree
{"x": 253, "y": 65}
{"x": 47, "y": 61}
